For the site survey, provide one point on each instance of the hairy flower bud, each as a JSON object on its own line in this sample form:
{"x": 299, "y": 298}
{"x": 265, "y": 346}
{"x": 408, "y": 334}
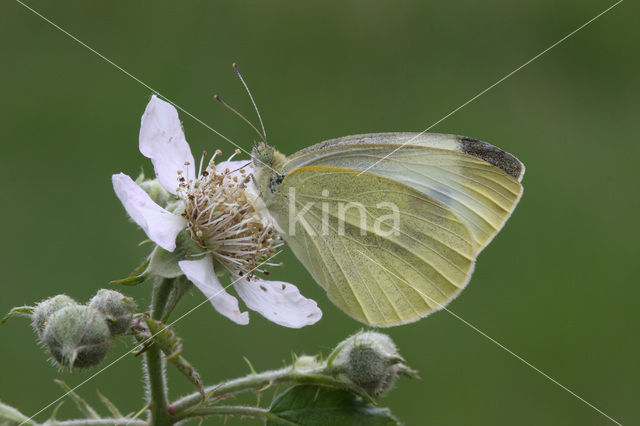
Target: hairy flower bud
{"x": 306, "y": 363}
{"x": 117, "y": 309}
{"x": 369, "y": 360}
{"x": 43, "y": 311}
{"x": 152, "y": 187}
{"x": 77, "y": 336}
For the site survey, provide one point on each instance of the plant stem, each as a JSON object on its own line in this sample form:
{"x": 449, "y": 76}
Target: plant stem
{"x": 189, "y": 404}
{"x": 97, "y": 422}
{"x": 157, "y": 383}
{"x": 228, "y": 410}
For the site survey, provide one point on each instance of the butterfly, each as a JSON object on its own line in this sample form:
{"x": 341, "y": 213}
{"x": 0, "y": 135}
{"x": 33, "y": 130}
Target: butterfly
{"x": 389, "y": 224}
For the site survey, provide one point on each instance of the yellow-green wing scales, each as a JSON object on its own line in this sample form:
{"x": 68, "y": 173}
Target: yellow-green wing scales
{"x": 378, "y": 271}
{"x": 478, "y": 182}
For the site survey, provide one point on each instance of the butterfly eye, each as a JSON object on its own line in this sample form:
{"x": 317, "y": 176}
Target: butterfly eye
{"x": 263, "y": 154}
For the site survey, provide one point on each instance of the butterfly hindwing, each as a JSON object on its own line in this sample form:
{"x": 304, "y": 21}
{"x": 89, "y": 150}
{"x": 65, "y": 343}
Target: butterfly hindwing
{"x": 386, "y": 253}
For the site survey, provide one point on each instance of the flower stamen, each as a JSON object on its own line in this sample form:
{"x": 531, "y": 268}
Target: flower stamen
{"x": 223, "y": 220}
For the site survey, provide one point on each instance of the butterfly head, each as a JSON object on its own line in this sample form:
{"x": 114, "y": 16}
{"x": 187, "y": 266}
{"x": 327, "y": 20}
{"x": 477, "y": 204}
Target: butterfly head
{"x": 263, "y": 155}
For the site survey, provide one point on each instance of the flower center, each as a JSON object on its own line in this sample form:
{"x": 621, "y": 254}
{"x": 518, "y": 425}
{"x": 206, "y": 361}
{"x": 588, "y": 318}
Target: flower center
{"x": 223, "y": 220}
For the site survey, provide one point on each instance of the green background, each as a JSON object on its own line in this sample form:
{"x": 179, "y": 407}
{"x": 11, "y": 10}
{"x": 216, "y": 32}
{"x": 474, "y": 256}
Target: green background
{"x": 558, "y": 286}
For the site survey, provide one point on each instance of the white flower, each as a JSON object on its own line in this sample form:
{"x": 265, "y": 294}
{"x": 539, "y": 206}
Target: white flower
{"x": 219, "y": 208}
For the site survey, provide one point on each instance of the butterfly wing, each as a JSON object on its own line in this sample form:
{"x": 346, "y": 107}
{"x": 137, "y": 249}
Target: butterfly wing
{"x": 478, "y": 182}
{"x": 386, "y": 253}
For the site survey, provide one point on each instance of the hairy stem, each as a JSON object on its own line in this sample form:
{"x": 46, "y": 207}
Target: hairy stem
{"x": 97, "y": 422}
{"x": 227, "y": 410}
{"x": 157, "y": 382}
{"x": 189, "y": 404}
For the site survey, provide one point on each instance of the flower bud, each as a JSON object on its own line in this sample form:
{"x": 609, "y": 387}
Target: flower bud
{"x": 43, "y": 311}
{"x": 305, "y": 363}
{"x": 77, "y": 336}
{"x": 152, "y": 187}
{"x": 117, "y": 309}
{"x": 369, "y": 360}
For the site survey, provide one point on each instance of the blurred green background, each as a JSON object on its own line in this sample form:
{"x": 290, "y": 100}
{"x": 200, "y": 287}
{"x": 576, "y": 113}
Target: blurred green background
{"x": 558, "y": 286}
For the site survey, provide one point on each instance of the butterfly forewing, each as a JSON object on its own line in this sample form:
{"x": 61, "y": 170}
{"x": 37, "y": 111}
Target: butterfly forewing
{"x": 478, "y": 182}
{"x": 386, "y": 267}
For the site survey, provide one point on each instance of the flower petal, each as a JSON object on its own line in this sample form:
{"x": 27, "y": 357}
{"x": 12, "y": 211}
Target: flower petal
{"x": 200, "y": 272}
{"x": 236, "y": 166}
{"x": 162, "y": 140}
{"x": 279, "y": 302}
{"x": 160, "y": 225}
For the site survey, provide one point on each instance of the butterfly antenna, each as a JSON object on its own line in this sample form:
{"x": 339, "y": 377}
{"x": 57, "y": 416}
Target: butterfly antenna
{"x": 230, "y": 108}
{"x": 264, "y": 133}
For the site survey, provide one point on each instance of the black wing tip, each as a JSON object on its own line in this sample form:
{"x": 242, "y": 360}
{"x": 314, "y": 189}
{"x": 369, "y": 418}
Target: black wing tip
{"x": 492, "y": 155}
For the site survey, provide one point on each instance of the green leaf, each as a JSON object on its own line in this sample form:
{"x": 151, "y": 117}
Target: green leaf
{"x": 10, "y": 416}
{"x": 20, "y": 310}
{"x": 308, "y": 405}
{"x": 82, "y": 405}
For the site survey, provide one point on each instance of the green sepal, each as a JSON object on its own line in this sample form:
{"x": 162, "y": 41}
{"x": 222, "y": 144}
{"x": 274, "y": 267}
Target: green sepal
{"x": 179, "y": 289}
{"x": 25, "y": 311}
{"x": 136, "y": 277}
{"x": 165, "y": 264}
{"x": 82, "y": 405}
{"x": 171, "y": 345}
{"x": 409, "y": 372}
{"x": 310, "y": 405}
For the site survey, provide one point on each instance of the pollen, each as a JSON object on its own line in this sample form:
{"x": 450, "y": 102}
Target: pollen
{"x": 222, "y": 219}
